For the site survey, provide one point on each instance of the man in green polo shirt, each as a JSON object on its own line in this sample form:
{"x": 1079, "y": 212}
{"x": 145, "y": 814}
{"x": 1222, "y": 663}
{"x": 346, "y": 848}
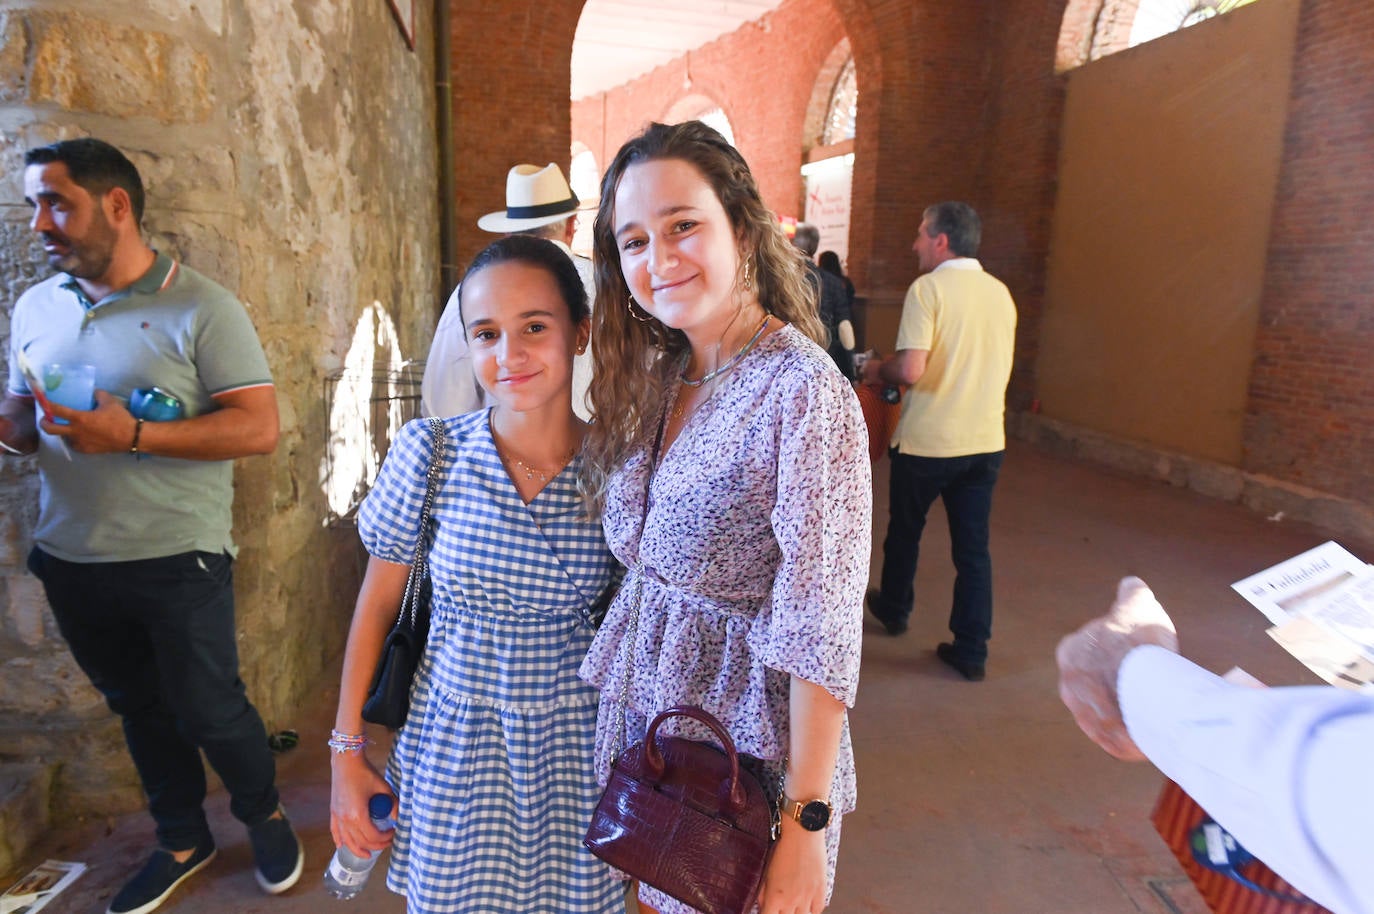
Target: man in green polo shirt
{"x": 133, "y": 538}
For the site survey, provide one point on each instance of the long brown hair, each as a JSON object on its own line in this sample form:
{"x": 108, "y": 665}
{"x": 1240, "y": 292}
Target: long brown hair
{"x": 634, "y": 358}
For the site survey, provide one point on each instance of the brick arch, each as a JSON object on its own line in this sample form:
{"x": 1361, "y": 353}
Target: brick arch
{"x": 579, "y": 148}
{"x": 691, "y": 103}
{"x": 1093, "y": 29}
{"x": 813, "y": 127}
{"x": 510, "y": 105}
{"x": 872, "y": 60}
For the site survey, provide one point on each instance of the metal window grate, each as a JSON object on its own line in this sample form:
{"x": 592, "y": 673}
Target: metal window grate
{"x": 364, "y": 410}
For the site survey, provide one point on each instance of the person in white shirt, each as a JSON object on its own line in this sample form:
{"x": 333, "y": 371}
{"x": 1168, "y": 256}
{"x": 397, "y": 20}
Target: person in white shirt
{"x": 539, "y": 202}
{"x": 1284, "y": 770}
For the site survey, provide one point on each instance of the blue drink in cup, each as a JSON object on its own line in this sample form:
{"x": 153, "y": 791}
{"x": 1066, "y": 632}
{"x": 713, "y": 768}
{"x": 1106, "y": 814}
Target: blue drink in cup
{"x": 153, "y": 404}
{"x": 71, "y": 385}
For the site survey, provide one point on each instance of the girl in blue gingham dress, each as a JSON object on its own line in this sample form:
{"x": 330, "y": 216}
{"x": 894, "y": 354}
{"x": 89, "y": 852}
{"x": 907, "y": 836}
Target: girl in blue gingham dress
{"x": 493, "y": 769}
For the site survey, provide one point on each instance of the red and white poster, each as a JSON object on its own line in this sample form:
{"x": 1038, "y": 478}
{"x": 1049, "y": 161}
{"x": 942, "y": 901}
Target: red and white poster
{"x": 827, "y": 201}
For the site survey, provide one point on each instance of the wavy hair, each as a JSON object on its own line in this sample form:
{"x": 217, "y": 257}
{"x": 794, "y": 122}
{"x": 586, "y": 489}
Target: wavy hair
{"x": 635, "y": 358}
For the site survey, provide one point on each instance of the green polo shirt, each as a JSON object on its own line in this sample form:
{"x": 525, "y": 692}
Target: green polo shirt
{"x": 174, "y": 329}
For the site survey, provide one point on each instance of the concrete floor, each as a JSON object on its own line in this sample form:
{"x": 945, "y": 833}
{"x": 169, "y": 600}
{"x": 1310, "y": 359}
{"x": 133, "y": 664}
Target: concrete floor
{"x": 975, "y": 798}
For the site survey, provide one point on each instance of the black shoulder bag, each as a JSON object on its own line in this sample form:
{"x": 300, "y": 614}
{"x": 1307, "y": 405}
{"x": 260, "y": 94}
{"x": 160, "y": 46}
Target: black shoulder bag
{"x": 388, "y": 698}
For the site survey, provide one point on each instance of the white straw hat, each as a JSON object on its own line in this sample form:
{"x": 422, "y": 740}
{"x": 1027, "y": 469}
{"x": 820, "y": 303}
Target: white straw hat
{"x": 534, "y": 196}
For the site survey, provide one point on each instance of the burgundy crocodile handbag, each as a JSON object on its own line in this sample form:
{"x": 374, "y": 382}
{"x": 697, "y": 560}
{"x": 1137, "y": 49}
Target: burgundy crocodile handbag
{"x": 684, "y": 817}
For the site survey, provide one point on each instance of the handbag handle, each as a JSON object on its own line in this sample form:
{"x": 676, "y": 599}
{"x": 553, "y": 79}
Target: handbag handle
{"x": 733, "y": 797}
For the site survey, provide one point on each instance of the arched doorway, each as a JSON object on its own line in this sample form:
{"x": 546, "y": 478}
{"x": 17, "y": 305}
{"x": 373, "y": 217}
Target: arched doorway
{"x": 1093, "y": 29}
{"x": 698, "y": 107}
{"x": 584, "y": 176}
{"x": 828, "y": 150}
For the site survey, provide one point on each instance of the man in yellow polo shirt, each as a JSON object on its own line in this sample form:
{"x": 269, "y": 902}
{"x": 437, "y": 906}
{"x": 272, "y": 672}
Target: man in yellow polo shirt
{"x": 954, "y": 348}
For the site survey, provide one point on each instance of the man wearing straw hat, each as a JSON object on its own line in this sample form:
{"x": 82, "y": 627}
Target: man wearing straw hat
{"x": 538, "y": 202}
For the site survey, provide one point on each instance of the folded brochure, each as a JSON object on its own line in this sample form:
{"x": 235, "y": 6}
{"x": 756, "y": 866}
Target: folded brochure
{"x": 40, "y": 886}
{"x": 1322, "y": 605}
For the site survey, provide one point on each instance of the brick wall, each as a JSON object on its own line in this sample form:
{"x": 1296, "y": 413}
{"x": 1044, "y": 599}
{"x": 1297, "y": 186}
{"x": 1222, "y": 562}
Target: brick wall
{"x": 1311, "y": 412}
{"x": 761, "y": 75}
{"x": 962, "y": 100}
{"x": 1019, "y": 165}
{"x": 936, "y": 62}
{"x": 923, "y": 94}
{"x": 955, "y": 101}
{"x": 511, "y": 68}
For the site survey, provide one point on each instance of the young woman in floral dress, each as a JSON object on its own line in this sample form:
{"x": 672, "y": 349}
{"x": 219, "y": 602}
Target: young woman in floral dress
{"x": 729, "y": 462}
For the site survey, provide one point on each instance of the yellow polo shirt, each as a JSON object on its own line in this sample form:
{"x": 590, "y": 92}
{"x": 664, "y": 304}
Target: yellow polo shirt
{"x": 966, "y": 319}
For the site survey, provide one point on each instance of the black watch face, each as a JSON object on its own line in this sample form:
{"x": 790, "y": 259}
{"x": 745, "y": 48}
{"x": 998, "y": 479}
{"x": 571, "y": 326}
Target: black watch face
{"x": 814, "y": 816}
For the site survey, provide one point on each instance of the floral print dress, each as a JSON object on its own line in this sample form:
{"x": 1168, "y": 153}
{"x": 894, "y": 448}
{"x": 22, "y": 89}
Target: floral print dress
{"x": 749, "y": 559}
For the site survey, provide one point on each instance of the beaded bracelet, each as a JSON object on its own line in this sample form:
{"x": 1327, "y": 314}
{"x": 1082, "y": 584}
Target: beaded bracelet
{"x": 347, "y": 742}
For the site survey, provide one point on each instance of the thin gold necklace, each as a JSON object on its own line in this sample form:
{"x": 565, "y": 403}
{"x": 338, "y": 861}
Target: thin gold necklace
{"x": 533, "y": 472}
{"x": 733, "y": 360}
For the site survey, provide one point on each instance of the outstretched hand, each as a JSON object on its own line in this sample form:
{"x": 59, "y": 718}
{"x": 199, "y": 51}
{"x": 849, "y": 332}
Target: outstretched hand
{"x": 1090, "y": 659}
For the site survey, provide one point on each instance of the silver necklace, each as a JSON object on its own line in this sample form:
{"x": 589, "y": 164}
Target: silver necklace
{"x": 732, "y": 361}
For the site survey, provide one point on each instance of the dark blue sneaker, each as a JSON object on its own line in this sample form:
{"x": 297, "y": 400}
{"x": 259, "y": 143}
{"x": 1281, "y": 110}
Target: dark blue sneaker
{"x": 873, "y": 600}
{"x": 157, "y": 880}
{"x": 971, "y": 670}
{"x": 278, "y": 854}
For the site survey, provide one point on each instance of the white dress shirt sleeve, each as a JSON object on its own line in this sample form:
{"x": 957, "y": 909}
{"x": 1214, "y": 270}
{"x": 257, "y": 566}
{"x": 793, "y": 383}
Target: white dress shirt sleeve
{"x": 582, "y": 364}
{"x": 1288, "y": 771}
{"x": 449, "y": 387}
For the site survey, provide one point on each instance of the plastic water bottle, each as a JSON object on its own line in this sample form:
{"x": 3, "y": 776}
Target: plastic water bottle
{"x": 347, "y": 872}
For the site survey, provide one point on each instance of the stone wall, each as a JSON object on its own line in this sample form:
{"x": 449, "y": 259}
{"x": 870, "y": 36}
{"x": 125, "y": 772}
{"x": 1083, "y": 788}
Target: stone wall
{"x": 288, "y": 150}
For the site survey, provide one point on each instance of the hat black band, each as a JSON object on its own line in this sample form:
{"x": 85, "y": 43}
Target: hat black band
{"x": 544, "y": 209}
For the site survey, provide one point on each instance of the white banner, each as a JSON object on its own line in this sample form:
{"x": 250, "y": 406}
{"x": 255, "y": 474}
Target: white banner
{"x": 827, "y": 202}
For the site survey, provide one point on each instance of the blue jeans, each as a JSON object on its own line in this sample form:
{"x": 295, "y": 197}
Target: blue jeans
{"x": 156, "y": 637}
{"x": 965, "y": 484}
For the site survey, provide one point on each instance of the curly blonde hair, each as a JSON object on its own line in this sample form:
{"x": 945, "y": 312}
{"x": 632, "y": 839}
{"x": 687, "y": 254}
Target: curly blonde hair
{"x": 634, "y": 358}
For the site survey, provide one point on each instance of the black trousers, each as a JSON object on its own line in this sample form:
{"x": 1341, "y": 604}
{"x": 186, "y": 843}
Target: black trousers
{"x": 157, "y": 638}
{"x": 965, "y": 485}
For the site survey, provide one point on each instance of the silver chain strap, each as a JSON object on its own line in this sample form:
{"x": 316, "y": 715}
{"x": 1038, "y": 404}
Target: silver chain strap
{"x": 419, "y": 567}
{"x": 640, "y": 574}
{"x": 622, "y": 738}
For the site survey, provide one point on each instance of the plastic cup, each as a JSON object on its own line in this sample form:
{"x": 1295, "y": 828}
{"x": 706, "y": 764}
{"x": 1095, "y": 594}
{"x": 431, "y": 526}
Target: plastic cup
{"x": 71, "y": 385}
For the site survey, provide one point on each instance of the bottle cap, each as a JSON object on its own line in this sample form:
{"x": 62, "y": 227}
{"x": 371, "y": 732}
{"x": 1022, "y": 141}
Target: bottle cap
{"x": 379, "y": 806}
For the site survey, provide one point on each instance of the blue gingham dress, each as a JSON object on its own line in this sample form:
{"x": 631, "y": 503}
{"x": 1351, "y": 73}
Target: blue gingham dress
{"x": 493, "y": 768}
